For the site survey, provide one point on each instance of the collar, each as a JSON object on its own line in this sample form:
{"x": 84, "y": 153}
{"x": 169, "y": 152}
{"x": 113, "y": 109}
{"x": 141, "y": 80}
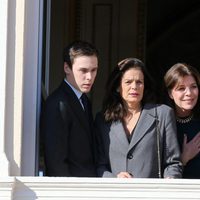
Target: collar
{"x": 77, "y": 92}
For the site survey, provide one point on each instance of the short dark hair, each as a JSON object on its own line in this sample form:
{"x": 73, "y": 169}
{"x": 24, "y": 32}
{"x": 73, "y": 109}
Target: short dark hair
{"x": 113, "y": 105}
{"x": 78, "y": 48}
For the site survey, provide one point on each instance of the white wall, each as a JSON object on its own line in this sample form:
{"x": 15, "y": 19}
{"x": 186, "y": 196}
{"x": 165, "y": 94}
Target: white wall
{"x": 4, "y": 164}
{"x": 31, "y": 83}
{"x": 20, "y": 52}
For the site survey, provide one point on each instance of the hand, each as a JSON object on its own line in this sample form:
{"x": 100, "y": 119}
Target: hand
{"x": 124, "y": 175}
{"x": 190, "y": 149}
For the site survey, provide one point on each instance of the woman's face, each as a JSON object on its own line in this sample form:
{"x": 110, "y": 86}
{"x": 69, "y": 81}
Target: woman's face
{"x": 132, "y": 86}
{"x": 185, "y": 95}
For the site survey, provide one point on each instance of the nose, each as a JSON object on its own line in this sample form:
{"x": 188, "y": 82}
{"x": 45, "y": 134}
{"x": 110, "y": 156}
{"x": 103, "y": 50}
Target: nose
{"x": 134, "y": 85}
{"x": 188, "y": 91}
{"x": 89, "y": 76}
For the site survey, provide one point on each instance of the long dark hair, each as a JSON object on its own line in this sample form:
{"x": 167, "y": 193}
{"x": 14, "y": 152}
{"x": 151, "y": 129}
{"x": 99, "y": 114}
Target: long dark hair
{"x": 114, "y": 107}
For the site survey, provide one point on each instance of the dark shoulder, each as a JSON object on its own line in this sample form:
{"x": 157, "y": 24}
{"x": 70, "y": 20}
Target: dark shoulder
{"x": 61, "y": 92}
{"x": 100, "y": 125}
{"x": 99, "y": 117}
{"x": 56, "y": 96}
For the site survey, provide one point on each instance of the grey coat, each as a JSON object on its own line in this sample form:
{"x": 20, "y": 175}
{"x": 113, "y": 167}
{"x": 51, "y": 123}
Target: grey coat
{"x": 140, "y": 156}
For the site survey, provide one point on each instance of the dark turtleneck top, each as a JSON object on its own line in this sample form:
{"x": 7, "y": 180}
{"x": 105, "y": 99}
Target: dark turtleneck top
{"x": 191, "y": 128}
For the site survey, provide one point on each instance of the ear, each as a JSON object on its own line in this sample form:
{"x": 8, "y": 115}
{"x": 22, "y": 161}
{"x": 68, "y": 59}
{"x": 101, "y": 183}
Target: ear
{"x": 170, "y": 94}
{"x": 66, "y": 68}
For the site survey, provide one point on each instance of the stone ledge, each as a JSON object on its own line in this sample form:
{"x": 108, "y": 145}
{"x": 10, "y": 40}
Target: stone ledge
{"x": 6, "y": 187}
{"x": 48, "y": 188}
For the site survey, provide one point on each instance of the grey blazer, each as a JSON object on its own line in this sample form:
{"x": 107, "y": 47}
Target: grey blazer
{"x": 139, "y": 157}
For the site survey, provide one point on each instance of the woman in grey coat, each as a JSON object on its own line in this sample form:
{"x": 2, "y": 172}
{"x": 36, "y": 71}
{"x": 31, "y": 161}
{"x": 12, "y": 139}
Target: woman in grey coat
{"x": 136, "y": 139}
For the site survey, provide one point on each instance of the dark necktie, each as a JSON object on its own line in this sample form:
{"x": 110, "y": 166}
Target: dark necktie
{"x": 84, "y": 101}
{"x": 86, "y": 106}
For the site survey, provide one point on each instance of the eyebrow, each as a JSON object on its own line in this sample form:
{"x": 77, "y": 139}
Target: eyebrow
{"x": 138, "y": 79}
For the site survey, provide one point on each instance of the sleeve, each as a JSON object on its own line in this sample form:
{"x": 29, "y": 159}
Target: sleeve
{"x": 55, "y": 132}
{"x": 172, "y": 166}
{"x": 100, "y": 129}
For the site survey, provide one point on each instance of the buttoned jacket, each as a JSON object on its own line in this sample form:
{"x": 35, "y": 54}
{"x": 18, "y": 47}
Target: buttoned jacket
{"x": 140, "y": 157}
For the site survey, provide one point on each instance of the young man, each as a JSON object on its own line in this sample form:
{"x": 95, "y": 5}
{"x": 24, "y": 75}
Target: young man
{"x": 68, "y": 136}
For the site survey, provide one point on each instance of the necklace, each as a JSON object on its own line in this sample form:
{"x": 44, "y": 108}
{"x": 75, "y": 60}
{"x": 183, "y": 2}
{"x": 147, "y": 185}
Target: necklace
{"x": 185, "y": 120}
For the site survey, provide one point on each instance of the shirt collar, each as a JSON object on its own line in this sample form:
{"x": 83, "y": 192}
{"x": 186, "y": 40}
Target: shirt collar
{"x": 77, "y": 93}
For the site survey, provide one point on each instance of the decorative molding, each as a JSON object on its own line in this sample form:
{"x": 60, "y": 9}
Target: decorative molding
{"x": 59, "y": 188}
{"x": 6, "y": 187}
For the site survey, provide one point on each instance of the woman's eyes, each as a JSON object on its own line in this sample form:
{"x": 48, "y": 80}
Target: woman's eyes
{"x": 181, "y": 88}
{"x": 194, "y": 86}
{"x": 184, "y": 88}
{"x": 137, "y": 82}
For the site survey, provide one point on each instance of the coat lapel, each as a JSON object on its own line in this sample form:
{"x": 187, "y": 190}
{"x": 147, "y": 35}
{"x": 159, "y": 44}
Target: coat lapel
{"x": 145, "y": 122}
{"x": 119, "y": 136}
{"x": 74, "y": 105}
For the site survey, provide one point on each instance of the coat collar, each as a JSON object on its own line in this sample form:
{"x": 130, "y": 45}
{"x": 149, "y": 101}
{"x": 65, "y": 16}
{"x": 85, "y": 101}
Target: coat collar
{"x": 147, "y": 118}
{"x": 119, "y": 135}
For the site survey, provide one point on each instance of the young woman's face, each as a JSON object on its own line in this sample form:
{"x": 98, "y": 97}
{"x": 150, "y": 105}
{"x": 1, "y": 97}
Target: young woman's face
{"x": 185, "y": 95}
{"x": 132, "y": 86}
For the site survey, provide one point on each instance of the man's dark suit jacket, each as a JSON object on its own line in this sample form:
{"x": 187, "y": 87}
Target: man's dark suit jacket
{"x": 68, "y": 138}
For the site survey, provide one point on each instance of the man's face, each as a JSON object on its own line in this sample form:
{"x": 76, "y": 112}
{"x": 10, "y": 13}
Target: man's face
{"x": 83, "y": 73}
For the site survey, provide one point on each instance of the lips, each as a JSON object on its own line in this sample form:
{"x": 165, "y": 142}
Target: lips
{"x": 188, "y": 100}
{"x": 86, "y": 85}
{"x": 134, "y": 94}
